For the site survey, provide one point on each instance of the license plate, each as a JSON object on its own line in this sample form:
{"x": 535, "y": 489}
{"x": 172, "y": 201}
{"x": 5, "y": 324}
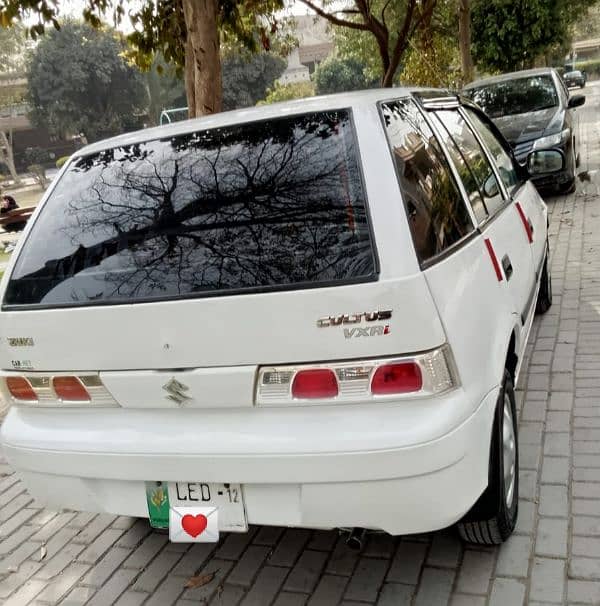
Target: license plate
{"x": 226, "y": 498}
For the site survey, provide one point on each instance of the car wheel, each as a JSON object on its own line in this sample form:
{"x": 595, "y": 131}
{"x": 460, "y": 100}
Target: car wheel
{"x": 571, "y": 185}
{"x": 544, "y": 300}
{"x": 493, "y": 518}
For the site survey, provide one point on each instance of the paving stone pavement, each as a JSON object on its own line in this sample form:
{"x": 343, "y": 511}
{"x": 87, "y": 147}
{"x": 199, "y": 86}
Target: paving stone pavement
{"x": 553, "y": 557}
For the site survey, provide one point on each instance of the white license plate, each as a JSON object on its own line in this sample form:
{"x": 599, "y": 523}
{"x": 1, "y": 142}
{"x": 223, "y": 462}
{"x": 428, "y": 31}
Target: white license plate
{"x": 227, "y": 498}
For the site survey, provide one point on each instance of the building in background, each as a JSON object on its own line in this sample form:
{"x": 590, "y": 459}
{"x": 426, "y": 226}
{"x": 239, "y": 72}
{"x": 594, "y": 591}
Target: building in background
{"x": 587, "y": 50}
{"x": 315, "y": 45}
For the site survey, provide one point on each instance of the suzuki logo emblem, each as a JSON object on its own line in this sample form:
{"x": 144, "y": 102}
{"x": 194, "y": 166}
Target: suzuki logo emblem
{"x": 176, "y": 391}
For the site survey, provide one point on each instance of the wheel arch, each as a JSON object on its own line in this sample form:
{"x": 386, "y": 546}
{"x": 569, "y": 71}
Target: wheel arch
{"x": 512, "y": 359}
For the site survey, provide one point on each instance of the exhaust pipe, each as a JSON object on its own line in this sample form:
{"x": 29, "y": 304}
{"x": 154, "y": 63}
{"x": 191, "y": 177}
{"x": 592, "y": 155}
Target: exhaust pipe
{"x": 356, "y": 539}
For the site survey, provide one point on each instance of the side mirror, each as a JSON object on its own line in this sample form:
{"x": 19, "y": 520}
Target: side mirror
{"x": 576, "y": 101}
{"x": 490, "y": 187}
{"x": 545, "y": 161}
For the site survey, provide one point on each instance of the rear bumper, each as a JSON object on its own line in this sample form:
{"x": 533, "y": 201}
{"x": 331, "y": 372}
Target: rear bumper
{"x": 401, "y": 489}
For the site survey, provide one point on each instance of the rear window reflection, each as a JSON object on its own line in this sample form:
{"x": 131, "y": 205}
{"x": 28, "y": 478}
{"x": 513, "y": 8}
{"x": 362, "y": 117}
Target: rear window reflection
{"x": 261, "y": 205}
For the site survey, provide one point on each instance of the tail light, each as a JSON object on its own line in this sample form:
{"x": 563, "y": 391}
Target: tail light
{"x": 70, "y": 389}
{"x": 58, "y": 390}
{"x": 20, "y": 389}
{"x": 314, "y": 384}
{"x": 421, "y": 375}
{"x": 404, "y": 377}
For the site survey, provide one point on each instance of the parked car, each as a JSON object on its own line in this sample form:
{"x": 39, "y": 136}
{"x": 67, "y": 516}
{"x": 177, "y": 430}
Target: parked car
{"x": 574, "y": 78}
{"x": 534, "y": 111}
{"x": 279, "y": 310}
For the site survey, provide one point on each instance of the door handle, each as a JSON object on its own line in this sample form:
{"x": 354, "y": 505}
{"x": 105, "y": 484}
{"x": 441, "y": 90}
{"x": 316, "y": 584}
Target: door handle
{"x": 530, "y": 225}
{"x": 507, "y": 267}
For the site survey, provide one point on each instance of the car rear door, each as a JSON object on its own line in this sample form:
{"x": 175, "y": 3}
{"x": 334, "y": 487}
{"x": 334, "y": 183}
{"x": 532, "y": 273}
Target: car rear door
{"x": 524, "y": 196}
{"x": 498, "y": 218}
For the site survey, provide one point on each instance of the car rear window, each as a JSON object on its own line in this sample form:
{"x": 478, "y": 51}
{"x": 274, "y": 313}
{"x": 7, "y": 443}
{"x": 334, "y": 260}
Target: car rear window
{"x": 263, "y": 205}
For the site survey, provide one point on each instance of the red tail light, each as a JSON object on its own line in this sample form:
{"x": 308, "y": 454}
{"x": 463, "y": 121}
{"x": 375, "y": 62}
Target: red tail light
{"x": 360, "y": 381}
{"x": 70, "y": 389}
{"x": 20, "y": 389}
{"x": 315, "y": 383}
{"x": 403, "y": 377}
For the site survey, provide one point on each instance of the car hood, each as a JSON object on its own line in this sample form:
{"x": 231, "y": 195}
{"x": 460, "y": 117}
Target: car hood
{"x": 518, "y": 128}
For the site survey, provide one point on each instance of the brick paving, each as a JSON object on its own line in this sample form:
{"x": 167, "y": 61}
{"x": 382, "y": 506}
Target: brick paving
{"x": 553, "y": 557}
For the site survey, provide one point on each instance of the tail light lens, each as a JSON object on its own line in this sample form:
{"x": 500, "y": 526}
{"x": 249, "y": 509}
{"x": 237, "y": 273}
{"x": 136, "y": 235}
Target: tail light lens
{"x": 421, "y": 375}
{"x": 315, "y": 383}
{"x": 21, "y": 390}
{"x": 70, "y": 389}
{"x": 404, "y": 377}
{"x": 40, "y": 389}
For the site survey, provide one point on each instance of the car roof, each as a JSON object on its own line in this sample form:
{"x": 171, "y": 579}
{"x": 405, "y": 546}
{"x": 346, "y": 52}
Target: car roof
{"x": 263, "y": 112}
{"x": 525, "y": 73}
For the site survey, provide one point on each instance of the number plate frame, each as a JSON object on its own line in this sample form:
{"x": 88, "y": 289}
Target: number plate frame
{"x": 227, "y": 498}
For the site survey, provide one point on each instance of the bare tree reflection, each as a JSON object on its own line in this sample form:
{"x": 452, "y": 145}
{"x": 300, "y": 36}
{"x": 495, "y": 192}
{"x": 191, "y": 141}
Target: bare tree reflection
{"x": 266, "y": 204}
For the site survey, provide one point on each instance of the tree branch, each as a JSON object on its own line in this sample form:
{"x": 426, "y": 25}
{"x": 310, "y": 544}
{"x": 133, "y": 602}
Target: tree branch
{"x": 401, "y": 43}
{"x": 385, "y": 7}
{"x": 335, "y": 20}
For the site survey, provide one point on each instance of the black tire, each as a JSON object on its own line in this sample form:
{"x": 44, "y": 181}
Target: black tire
{"x": 494, "y": 516}
{"x": 571, "y": 185}
{"x": 544, "y": 300}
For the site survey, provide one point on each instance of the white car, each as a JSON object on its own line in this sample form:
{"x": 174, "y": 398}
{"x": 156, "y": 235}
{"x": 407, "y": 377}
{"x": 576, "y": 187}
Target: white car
{"x": 309, "y": 314}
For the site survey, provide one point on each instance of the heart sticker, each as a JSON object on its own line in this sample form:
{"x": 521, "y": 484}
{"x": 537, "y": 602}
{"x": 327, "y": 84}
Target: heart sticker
{"x": 194, "y": 525}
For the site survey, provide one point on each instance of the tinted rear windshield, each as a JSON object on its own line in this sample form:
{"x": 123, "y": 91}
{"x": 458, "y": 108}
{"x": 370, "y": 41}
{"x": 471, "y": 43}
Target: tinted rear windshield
{"x": 512, "y": 97}
{"x": 273, "y": 204}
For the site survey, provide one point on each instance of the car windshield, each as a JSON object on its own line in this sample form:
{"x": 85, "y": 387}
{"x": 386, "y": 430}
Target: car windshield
{"x": 574, "y": 74}
{"x": 263, "y": 205}
{"x": 519, "y": 96}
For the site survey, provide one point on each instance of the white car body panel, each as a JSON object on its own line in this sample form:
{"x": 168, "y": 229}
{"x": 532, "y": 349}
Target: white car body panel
{"x": 200, "y": 332}
{"x": 404, "y": 465}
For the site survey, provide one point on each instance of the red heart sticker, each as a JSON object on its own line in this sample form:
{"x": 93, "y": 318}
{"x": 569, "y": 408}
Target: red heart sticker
{"x": 194, "y": 525}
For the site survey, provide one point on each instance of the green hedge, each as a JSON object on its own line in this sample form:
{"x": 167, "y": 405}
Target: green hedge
{"x": 61, "y": 161}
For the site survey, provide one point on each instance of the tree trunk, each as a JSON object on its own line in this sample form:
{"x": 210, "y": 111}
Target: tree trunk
{"x": 190, "y": 89}
{"x": 6, "y": 156}
{"x": 464, "y": 39}
{"x": 203, "y": 52}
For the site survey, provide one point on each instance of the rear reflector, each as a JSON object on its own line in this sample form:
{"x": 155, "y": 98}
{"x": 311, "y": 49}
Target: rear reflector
{"x": 70, "y": 389}
{"x": 492, "y": 253}
{"x": 20, "y": 389}
{"x": 397, "y": 378}
{"x": 315, "y": 383}
{"x": 359, "y": 381}
{"x": 525, "y": 221}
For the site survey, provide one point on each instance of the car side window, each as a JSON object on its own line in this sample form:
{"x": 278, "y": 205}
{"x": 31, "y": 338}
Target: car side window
{"x": 474, "y": 157}
{"x": 437, "y": 214}
{"x": 464, "y": 171}
{"x": 503, "y": 161}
